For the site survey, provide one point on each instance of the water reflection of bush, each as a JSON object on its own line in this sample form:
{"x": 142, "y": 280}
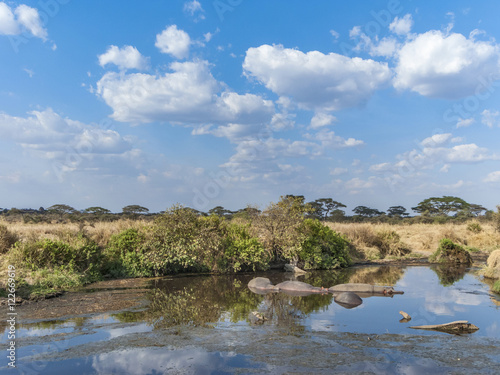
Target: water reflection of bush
{"x": 202, "y": 300}
{"x": 449, "y": 274}
{"x": 383, "y": 275}
{"x": 199, "y": 301}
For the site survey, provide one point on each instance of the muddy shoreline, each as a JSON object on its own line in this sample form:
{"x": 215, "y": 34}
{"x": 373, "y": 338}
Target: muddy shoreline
{"x": 478, "y": 258}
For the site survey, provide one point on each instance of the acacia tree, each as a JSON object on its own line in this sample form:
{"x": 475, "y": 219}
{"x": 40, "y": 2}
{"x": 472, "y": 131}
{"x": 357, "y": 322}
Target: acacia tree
{"x": 364, "y": 211}
{"x": 61, "y": 210}
{"x": 476, "y": 209}
{"x": 134, "y": 210}
{"x": 397, "y": 211}
{"x": 221, "y": 212}
{"x": 96, "y": 211}
{"x": 441, "y": 206}
{"x": 323, "y": 208}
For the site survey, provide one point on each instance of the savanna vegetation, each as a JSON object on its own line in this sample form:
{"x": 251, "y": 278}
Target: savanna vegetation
{"x": 60, "y": 247}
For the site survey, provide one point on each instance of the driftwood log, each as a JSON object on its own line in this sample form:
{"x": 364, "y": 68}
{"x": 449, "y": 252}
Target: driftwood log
{"x": 457, "y": 327}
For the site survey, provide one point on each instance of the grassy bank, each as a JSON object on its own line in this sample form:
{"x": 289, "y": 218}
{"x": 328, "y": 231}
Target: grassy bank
{"x": 420, "y": 239}
{"x": 52, "y": 257}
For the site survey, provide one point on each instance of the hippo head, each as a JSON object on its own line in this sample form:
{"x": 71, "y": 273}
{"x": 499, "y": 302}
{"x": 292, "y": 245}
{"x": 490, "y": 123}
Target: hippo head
{"x": 390, "y": 291}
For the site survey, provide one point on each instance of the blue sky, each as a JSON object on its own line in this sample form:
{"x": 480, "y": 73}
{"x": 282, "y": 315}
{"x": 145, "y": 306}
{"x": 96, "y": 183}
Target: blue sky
{"x": 236, "y": 102}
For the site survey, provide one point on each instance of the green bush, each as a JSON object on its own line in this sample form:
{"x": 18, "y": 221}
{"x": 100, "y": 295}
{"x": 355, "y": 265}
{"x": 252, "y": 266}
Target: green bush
{"x": 48, "y": 254}
{"x": 125, "y": 256}
{"x": 322, "y": 248}
{"x": 173, "y": 242}
{"x": 496, "y": 287}
{"x": 242, "y": 251}
{"x": 7, "y": 239}
{"x": 474, "y": 227}
{"x": 182, "y": 241}
{"x": 450, "y": 252}
{"x": 278, "y": 227}
{"x": 497, "y": 219}
{"x": 389, "y": 243}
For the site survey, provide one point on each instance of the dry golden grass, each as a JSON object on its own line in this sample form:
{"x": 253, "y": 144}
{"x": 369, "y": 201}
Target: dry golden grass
{"x": 420, "y": 238}
{"x": 492, "y": 268}
{"x": 100, "y": 232}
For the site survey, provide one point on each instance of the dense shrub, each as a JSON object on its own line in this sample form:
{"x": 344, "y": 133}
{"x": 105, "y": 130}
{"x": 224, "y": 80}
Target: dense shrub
{"x": 243, "y": 252}
{"x": 389, "y": 243}
{"x": 450, "y": 252}
{"x": 53, "y": 265}
{"x": 125, "y": 256}
{"x": 182, "y": 241}
{"x": 474, "y": 227}
{"x": 84, "y": 258}
{"x": 278, "y": 227}
{"x": 7, "y": 239}
{"x": 497, "y": 219}
{"x": 496, "y": 287}
{"x": 321, "y": 247}
{"x": 171, "y": 244}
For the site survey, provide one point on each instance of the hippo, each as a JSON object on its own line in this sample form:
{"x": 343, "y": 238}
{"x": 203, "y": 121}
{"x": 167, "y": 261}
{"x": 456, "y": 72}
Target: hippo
{"x": 348, "y": 300}
{"x": 365, "y": 289}
{"x": 299, "y": 288}
{"x": 261, "y": 285}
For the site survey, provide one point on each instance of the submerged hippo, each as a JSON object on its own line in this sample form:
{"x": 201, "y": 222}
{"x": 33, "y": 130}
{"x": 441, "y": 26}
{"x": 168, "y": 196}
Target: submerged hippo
{"x": 299, "y": 288}
{"x": 261, "y": 285}
{"x": 348, "y": 300}
{"x": 365, "y": 289}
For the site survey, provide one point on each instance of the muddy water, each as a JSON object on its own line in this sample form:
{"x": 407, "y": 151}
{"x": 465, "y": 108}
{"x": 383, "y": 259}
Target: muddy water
{"x": 201, "y": 325}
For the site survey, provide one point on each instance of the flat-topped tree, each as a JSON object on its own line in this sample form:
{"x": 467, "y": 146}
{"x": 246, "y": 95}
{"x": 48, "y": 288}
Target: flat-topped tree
{"x": 96, "y": 211}
{"x": 221, "y": 212}
{"x": 397, "y": 211}
{"x": 441, "y": 206}
{"x": 328, "y": 205}
{"x": 134, "y": 209}
{"x": 367, "y": 211}
{"x": 61, "y": 209}
{"x": 248, "y": 213}
{"x": 476, "y": 209}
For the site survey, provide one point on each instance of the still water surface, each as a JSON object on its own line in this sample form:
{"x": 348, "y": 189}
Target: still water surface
{"x": 201, "y": 325}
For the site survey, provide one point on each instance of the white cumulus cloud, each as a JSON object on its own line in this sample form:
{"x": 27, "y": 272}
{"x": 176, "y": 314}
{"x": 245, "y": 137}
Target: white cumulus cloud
{"x": 436, "y": 64}
{"x": 462, "y": 123}
{"x": 338, "y": 171}
{"x": 49, "y": 133}
{"x": 30, "y": 19}
{"x": 188, "y": 95}
{"x": 8, "y": 24}
{"x": 490, "y": 118}
{"x": 23, "y": 18}
{"x": 436, "y": 140}
{"x": 493, "y": 177}
{"x": 174, "y": 41}
{"x": 192, "y": 7}
{"x": 315, "y": 80}
{"x": 401, "y": 26}
{"x": 127, "y": 57}
{"x": 321, "y": 119}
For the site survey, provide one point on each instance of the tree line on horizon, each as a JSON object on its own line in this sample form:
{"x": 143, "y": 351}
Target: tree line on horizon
{"x": 433, "y": 209}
